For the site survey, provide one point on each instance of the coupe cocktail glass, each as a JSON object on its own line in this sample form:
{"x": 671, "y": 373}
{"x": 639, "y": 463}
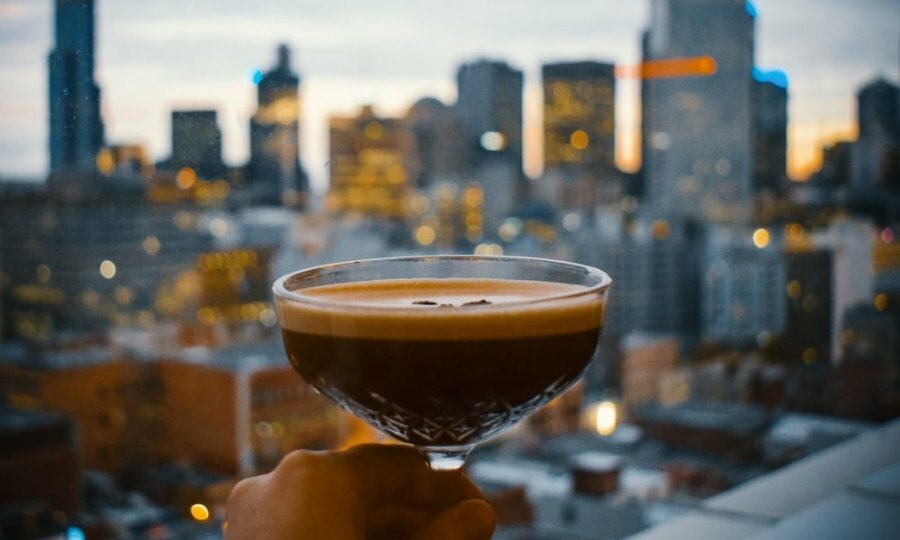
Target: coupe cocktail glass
{"x": 442, "y": 352}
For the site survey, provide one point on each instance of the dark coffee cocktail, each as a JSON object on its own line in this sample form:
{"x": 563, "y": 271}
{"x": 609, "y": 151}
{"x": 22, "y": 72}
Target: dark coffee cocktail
{"x": 442, "y": 362}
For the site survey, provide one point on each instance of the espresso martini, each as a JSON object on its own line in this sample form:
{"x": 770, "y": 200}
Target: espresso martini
{"x": 441, "y": 362}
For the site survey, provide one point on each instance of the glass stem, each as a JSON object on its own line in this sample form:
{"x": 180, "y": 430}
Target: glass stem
{"x": 451, "y": 458}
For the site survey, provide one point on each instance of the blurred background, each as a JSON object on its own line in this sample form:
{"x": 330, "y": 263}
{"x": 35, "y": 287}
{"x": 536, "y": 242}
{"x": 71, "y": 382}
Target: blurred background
{"x": 734, "y": 165}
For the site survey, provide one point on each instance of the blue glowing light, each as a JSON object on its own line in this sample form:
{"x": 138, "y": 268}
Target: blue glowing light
{"x": 751, "y": 9}
{"x": 257, "y": 76}
{"x": 74, "y": 533}
{"x": 775, "y": 76}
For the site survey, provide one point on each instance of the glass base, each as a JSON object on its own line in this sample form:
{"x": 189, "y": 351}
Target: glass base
{"x": 445, "y": 458}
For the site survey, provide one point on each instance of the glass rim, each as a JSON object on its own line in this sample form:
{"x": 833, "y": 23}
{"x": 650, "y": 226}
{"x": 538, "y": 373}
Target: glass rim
{"x": 281, "y": 292}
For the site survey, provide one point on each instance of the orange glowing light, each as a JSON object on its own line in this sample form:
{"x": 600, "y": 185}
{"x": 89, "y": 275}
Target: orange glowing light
{"x": 761, "y": 238}
{"x": 199, "y": 512}
{"x": 693, "y": 66}
{"x": 186, "y": 178}
{"x": 579, "y": 139}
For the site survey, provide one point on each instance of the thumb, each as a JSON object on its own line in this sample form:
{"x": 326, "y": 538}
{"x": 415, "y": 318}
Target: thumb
{"x": 472, "y": 519}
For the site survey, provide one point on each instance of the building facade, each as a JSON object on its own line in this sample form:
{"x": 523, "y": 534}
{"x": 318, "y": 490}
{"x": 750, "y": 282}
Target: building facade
{"x": 742, "y": 288}
{"x": 579, "y": 117}
{"x": 367, "y": 165}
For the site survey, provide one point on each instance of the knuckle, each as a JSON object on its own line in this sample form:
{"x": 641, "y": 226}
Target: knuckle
{"x": 240, "y": 491}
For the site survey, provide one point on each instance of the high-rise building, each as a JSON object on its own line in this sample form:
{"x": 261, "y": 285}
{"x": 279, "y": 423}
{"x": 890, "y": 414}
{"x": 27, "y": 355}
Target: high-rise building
{"x": 274, "y": 173}
{"x": 489, "y": 104}
{"x": 809, "y": 292}
{"x": 367, "y": 165}
{"x": 698, "y": 130}
{"x": 878, "y": 142}
{"x": 742, "y": 287}
{"x": 579, "y": 117}
{"x": 196, "y": 143}
{"x": 655, "y": 268}
{"x": 438, "y": 152}
{"x": 76, "y": 129}
{"x": 770, "y": 117}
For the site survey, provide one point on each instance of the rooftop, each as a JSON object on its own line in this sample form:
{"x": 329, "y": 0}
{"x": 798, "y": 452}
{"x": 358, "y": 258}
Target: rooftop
{"x": 849, "y": 491}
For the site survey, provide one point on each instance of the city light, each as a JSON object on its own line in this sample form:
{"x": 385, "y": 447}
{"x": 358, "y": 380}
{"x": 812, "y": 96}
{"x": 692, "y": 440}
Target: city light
{"x": 264, "y": 430}
{"x": 488, "y": 249}
{"x": 660, "y": 229}
{"x": 761, "y": 238}
{"x": 794, "y": 289}
{"x": 694, "y": 66}
{"x": 124, "y": 295}
{"x": 493, "y": 141}
{"x": 267, "y": 317}
{"x": 151, "y": 245}
{"x": 571, "y": 222}
{"x": 881, "y": 301}
{"x": 43, "y": 273}
{"x": 218, "y": 227}
{"x": 373, "y": 131}
{"x": 605, "y": 418}
{"x": 186, "y": 178}
{"x": 108, "y": 269}
{"x": 794, "y": 231}
{"x": 510, "y": 229}
{"x": 775, "y": 76}
{"x": 199, "y": 512}
{"x": 425, "y": 235}
{"x": 579, "y": 139}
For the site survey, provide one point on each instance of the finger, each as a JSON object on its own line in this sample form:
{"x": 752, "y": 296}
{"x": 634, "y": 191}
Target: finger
{"x": 469, "y": 520}
{"x": 395, "y": 473}
{"x": 470, "y": 490}
{"x": 395, "y": 521}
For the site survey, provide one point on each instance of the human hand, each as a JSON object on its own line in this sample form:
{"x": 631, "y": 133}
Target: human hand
{"x": 366, "y": 492}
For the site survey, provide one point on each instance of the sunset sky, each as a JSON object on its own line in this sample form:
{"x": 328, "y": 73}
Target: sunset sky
{"x": 153, "y": 56}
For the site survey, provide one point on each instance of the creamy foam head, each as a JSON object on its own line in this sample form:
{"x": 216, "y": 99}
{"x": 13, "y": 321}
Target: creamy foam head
{"x": 452, "y": 308}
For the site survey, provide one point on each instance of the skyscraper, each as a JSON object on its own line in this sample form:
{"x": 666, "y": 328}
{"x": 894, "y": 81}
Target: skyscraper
{"x": 579, "y": 117}
{"x": 699, "y": 129}
{"x": 76, "y": 129}
{"x": 879, "y": 139}
{"x": 489, "y": 103}
{"x": 196, "y": 143}
{"x": 770, "y": 118}
{"x": 274, "y": 173}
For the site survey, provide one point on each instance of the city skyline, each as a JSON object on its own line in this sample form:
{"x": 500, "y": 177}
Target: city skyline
{"x": 142, "y": 81}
